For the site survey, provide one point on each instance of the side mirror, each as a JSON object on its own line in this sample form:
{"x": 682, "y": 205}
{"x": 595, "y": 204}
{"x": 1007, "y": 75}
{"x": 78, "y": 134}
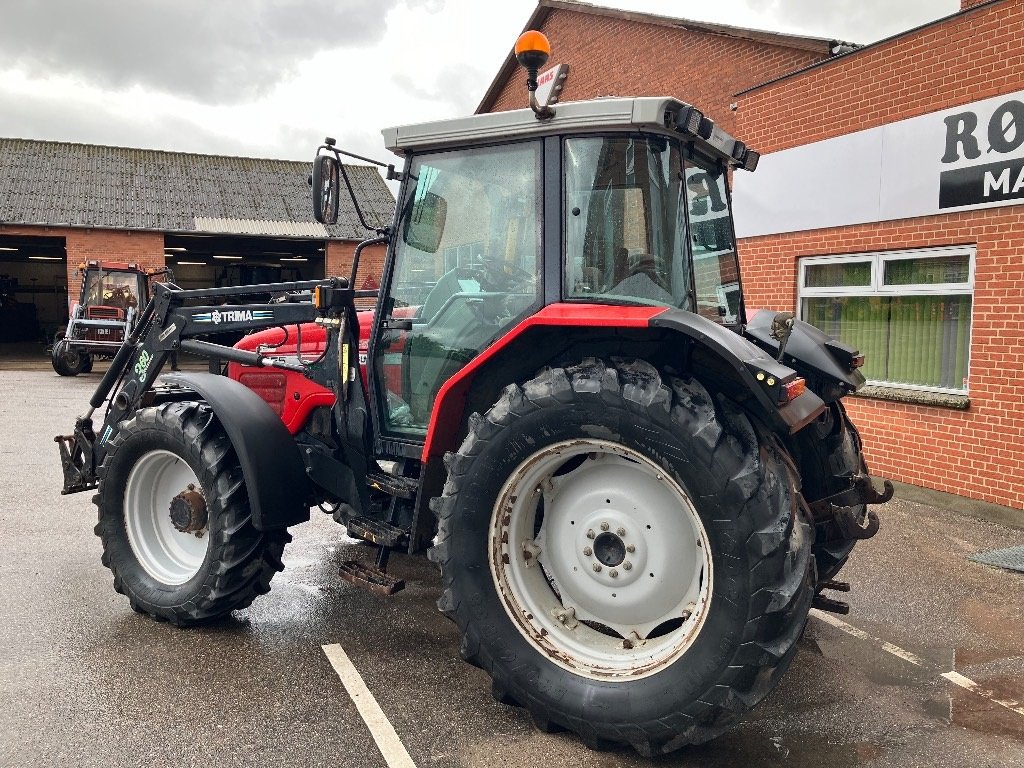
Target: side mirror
{"x": 425, "y": 224}
{"x": 324, "y": 181}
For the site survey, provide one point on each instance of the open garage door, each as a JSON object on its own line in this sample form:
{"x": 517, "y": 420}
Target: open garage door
{"x": 205, "y": 261}
{"x": 33, "y": 291}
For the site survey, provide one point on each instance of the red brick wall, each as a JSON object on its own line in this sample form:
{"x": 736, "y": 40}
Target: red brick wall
{"x": 977, "y": 453}
{"x": 143, "y": 248}
{"x": 610, "y": 56}
{"x": 971, "y": 57}
{"x": 371, "y": 265}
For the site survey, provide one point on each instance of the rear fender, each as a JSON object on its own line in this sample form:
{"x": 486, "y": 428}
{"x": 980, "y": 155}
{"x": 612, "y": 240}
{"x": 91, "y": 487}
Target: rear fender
{"x": 563, "y": 331}
{"x": 275, "y": 474}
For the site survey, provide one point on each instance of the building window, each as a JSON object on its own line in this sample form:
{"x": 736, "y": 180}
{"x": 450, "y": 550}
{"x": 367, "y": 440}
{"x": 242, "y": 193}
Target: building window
{"x": 909, "y": 312}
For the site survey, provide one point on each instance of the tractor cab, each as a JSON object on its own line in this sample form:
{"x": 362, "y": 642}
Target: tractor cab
{"x": 110, "y": 290}
{"x": 112, "y": 295}
{"x": 617, "y": 206}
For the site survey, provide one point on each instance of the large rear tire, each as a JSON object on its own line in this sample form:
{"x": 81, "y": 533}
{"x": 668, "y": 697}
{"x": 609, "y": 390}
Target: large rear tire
{"x": 583, "y": 470}
{"x": 69, "y": 362}
{"x": 174, "y": 518}
{"x": 829, "y": 453}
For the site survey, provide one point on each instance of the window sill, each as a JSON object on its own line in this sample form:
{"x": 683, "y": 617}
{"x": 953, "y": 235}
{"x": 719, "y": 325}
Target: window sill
{"x": 915, "y": 397}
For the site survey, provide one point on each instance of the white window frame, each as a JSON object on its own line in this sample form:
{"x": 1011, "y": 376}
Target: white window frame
{"x": 876, "y": 287}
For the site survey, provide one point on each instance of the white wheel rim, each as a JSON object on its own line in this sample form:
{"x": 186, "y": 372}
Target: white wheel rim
{"x": 610, "y": 577}
{"x": 168, "y": 555}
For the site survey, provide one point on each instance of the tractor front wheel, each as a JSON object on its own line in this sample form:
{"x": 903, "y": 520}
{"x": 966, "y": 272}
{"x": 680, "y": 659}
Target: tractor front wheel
{"x": 174, "y": 518}
{"x": 625, "y": 557}
{"x": 67, "y": 361}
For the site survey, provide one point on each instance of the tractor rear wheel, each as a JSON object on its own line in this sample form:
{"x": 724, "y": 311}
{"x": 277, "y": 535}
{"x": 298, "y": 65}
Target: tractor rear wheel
{"x": 624, "y": 557}
{"x": 829, "y": 454}
{"x": 67, "y": 361}
{"x": 174, "y": 518}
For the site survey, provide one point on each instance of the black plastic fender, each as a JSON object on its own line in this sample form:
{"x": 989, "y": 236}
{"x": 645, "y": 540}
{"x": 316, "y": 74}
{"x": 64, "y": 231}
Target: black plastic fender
{"x": 747, "y": 360}
{"x": 275, "y": 474}
{"x": 808, "y": 349}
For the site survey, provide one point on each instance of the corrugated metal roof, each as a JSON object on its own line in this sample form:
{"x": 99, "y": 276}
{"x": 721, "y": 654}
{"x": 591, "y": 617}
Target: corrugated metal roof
{"x": 84, "y": 185}
{"x": 262, "y": 227}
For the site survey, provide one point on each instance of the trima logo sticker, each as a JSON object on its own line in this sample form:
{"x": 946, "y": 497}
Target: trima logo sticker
{"x": 219, "y": 316}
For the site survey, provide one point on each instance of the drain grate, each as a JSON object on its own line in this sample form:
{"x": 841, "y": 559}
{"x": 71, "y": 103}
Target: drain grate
{"x": 1012, "y": 558}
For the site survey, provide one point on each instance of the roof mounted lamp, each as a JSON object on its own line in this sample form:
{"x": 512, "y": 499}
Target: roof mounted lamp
{"x": 532, "y": 52}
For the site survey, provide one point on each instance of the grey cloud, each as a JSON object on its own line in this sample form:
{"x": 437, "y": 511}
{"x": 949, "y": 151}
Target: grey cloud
{"x": 458, "y": 86}
{"x": 47, "y": 119}
{"x": 219, "y": 51}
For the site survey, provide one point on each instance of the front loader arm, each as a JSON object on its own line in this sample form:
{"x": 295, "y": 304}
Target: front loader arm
{"x": 171, "y": 322}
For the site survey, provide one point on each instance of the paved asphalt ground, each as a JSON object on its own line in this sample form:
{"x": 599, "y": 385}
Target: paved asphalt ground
{"x": 86, "y": 682}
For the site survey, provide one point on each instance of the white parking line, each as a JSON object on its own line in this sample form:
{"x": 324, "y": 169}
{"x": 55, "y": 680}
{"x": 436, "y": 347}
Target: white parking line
{"x": 954, "y": 677}
{"x": 383, "y": 732}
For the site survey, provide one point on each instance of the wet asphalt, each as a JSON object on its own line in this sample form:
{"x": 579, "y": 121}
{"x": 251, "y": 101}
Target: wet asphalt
{"x": 86, "y": 682}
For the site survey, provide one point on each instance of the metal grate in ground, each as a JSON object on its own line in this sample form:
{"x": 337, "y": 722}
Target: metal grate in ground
{"x": 1011, "y": 558}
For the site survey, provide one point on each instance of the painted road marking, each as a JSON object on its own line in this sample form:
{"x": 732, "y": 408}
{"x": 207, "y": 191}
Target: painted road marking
{"x": 954, "y": 677}
{"x": 380, "y": 727}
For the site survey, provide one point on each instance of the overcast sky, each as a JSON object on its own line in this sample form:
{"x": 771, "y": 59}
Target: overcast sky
{"x": 271, "y": 78}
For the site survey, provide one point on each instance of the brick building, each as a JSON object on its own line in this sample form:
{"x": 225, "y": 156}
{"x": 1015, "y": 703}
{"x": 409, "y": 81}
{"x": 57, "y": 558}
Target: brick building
{"x": 885, "y": 208}
{"x": 888, "y": 201}
{"x": 622, "y": 53}
{"x": 215, "y": 220}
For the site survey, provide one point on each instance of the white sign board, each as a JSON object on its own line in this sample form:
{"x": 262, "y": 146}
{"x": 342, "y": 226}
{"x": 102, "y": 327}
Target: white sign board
{"x": 958, "y": 159}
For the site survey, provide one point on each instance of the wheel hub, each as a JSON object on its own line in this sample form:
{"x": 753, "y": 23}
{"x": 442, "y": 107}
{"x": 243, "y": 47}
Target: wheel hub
{"x": 610, "y": 549}
{"x": 188, "y": 511}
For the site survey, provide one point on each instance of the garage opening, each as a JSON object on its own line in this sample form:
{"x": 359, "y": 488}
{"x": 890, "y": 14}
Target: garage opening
{"x": 33, "y": 292}
{"x": 205, "y": 261}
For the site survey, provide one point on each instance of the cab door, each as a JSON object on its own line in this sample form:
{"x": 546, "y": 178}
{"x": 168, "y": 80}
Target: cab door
{"x": 466, "y": 269}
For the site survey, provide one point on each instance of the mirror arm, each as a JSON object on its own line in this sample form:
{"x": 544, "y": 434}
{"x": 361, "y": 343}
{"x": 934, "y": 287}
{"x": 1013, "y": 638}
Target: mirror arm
{"x": 355, "y": 202}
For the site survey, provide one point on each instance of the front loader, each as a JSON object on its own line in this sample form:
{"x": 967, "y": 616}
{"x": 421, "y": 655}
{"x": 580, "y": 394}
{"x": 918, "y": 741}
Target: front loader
{"x": 634, "y": 491}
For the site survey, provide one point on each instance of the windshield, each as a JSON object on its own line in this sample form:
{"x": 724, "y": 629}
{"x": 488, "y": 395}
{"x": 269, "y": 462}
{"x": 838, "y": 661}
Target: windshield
{"x": 112, "y": 289}
{"x": 629, "y": 219}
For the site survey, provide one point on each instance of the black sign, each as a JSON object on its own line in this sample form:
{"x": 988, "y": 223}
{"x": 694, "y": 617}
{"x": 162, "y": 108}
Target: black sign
{"x": 979, "y": 184}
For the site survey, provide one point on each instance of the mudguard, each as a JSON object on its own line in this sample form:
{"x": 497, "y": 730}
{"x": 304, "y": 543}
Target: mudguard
{"x": 275, "y": 475}
{"x": 747, "y": 361}
{"x": 809, "y": 350}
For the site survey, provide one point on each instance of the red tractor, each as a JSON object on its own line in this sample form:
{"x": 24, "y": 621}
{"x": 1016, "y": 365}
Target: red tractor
{"x": 105, "y": 313}
{"x": 635, "y": 493}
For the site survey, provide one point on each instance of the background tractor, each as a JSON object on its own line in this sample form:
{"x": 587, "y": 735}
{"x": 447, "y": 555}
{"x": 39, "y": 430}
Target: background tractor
{"x": 635, "y": 493}
{"x": 111, "y": 296}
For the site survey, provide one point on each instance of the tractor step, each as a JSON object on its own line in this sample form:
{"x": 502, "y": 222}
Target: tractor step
{"x": 377, "y": 532}
{"x": 370, "y": 577}
{"x": 823, "y": 603}
{"x": 394, "y": 485}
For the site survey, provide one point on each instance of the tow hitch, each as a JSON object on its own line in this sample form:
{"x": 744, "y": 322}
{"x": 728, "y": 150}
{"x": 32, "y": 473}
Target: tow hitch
{"x": 841, "y": 508}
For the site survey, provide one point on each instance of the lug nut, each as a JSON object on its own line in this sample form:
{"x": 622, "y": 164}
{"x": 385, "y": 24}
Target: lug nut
{"x": 630, "y": 548}
{"x": 597, "y": 567}
{"x": 605, "y": 526}
{"x": 591, "y": 534}
{"x": 613, "y": 573}
{"x": 620, "y": 531}
{"x": 627, "y": 566}
{"x": 588, "y": 551}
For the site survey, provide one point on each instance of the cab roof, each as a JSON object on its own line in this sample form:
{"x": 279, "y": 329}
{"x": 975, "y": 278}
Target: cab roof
{"x": 657, "y": 114}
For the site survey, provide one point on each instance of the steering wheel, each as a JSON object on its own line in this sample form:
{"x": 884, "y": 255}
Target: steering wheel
{"x": 647, "y": 264}
{"x": 500, "y": 275}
